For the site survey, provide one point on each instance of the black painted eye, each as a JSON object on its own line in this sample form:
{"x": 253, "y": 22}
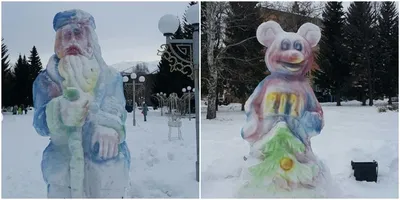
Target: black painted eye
{"x": 297, "y": 45}
{"x": 285, "y": 44}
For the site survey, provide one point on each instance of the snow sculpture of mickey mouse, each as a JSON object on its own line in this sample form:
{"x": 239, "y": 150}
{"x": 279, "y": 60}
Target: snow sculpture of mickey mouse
{"x": 282, "y": 115}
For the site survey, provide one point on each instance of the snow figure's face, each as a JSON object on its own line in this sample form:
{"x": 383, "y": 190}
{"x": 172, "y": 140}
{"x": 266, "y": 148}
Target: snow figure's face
{"x": 73, "y": 39}
{"x": 288, "y": 53}
{"x": 77, "y": 65}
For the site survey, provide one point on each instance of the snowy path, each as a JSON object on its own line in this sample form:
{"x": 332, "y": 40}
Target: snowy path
{"x": 159, "y": 168}
{"x": 350, "y": 133}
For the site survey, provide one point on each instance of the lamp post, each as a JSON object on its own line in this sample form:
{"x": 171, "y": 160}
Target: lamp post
{"x": 188, "y": 89}
{"x": 141, "y": 80}
{"x": 168, "y": 25}
{"x": 162, "y": 97}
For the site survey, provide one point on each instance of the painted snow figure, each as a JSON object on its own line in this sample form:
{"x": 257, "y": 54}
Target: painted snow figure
{"x": 282, "y": 115}
{"x": 79, "y": 102}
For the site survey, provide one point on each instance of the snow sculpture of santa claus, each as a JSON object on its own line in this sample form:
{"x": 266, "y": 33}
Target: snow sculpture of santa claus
{"x": 282, "y": 115}
{"x": 79, "y": 103}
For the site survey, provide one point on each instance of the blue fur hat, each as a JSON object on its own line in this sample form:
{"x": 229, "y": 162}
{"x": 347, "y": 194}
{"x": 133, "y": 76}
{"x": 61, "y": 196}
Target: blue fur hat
{"x": 72, "y": 16}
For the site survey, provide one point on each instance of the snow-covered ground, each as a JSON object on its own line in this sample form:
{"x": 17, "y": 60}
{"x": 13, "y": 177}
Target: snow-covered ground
{"x": 350, "y": 133}
{"x": 159, "y": 168}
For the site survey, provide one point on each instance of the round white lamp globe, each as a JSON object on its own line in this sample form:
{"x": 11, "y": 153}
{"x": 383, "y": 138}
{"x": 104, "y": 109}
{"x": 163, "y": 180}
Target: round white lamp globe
{"x": 133, "y": 76}
{"x": 168, "y": 24}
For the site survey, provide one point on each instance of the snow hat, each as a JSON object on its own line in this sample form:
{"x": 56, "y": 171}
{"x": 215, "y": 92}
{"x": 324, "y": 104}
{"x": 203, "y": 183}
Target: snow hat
{"x": 73, "y": 16}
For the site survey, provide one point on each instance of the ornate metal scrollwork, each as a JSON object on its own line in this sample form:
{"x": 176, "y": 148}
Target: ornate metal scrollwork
{"x": 179, "y": 59}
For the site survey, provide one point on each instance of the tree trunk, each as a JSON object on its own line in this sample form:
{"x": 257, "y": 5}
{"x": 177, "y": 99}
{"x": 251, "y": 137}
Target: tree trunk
{"x": 390, "y": 100}
{"x": 337, "y": 96}
{"x": 363, "y": 99}
{"x": 243, "y": 103}
{"x": 216, "y": 99}
{"x": 211, "y": 109}
{"x": 370, "y": 88}
{"x": 211, "y": 10}
{"x": 212, "y": 95}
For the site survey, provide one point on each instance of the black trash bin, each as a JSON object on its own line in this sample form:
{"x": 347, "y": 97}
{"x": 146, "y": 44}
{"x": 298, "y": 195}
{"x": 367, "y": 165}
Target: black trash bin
{"x": 365, "y": 171}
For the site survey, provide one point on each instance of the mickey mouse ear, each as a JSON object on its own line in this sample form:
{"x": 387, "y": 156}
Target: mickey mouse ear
{"x": 267, "y": 32}
{"x": 311, "y": 33}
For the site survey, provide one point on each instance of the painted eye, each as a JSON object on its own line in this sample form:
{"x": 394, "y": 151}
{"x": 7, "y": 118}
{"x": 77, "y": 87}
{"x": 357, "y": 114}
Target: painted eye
{"x": 285, "y": 44}
{"x": 77, "y": 32}
{"x": 297, "y": 45}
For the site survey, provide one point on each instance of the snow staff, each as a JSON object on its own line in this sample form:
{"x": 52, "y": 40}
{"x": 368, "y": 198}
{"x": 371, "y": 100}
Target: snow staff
{"x": 79, "y": 102}
{"x": 282, "y": 115}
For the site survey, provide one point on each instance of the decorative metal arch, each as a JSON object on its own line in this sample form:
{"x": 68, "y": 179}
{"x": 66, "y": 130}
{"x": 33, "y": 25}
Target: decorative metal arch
{"x": 175, "y": 54}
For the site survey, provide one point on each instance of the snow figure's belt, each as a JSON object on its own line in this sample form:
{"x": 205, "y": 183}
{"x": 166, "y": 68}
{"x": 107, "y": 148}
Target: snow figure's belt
{"x": 278, "y": 103}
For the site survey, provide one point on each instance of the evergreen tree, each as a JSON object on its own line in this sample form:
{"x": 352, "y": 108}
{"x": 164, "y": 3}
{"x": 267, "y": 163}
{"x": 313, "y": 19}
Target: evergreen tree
{"x": 334, "y": 74}
{"x": 168, "y": 81}
{"x": 388, "y": 49}
{"x": 360, "y": 41}
{"x": 246, "y": 66}
{"x": 6, "y": 77}
{"x": 21, "y": 71}
{"x": 187, "y": 28}
{"x": 5, "y": 63}
{"x": 35, "y": 66}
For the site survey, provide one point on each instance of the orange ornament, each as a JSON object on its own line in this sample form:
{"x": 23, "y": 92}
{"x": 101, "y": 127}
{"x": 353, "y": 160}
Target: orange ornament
{"x": 286, "y": 163}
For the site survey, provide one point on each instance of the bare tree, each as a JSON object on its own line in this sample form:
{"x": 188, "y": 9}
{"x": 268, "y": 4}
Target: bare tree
{"x": 141, "y": 68}
{"x": 213, "y": 30}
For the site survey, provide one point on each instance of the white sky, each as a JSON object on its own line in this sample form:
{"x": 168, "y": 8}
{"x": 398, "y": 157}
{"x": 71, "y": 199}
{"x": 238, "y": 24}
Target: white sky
{"x": 127, "y": 31}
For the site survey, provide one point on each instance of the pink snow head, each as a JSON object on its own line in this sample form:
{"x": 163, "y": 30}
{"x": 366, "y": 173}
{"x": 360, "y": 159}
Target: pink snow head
{"x": 74, "y": 29}
{"x": 288, "y": 53}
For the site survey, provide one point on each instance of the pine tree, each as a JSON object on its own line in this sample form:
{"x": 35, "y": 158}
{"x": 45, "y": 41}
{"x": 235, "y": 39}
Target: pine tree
{"x": 245, "y": 61}
{"x": 388, "y": 49}
{"x": 5, "y": 63}
{"x": 334, "y": 71}
{"x": 187, "y": 28}
{"x": 279, "y": 154}
{"x": 21, "y": 71}
{"x": 35, "y": 66}
{"x": 6, "y": 76}
{"x": 168, "y": 81}
{"x": 360, "y": 41}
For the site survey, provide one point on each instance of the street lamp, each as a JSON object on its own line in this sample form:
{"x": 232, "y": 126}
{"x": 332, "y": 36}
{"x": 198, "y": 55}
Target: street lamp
{"x": 188, "y": 89}
{"x": 141, "y": 80}
{"x": 162, "y": 97}
{"x": 168, "y": 25}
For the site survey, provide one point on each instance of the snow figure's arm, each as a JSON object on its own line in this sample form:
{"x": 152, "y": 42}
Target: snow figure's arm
{"x": 313, "y": 117}
{"x": 112, "y": 113}
{"x": 45, "y": 99}
{"x": 253, "y": 111}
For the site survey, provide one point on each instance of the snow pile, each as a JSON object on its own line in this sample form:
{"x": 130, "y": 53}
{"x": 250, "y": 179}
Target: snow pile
{"x": 350, "y": 133}
{"x": 357, "y": 103}
{"x": 159, "y": 168}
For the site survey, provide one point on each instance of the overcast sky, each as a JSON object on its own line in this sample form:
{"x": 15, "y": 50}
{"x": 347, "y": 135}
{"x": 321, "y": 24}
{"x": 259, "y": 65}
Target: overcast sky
{"x": 127, "y": 31}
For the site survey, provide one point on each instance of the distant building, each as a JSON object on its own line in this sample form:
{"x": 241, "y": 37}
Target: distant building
{"x": 143, "y": 91}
